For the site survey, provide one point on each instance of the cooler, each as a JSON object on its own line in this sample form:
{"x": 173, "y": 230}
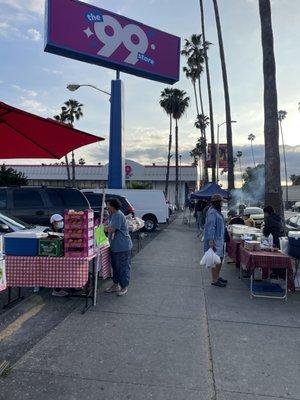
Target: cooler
{"x": 294, "y": 244}
{"x": 22, "y": 243}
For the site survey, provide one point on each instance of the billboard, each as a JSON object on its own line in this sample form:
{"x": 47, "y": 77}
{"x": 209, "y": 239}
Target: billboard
{"x": 223, "y": 155}
{"x": 83, "y": 32}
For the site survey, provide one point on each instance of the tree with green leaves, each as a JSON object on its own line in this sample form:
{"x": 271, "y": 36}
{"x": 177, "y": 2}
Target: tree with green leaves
{"x": 71, "y": 111}
{"x": 166, "y": 102}
{"x": 11, "y": 177}
{"x": 295, "y": 179}
{"x": 281, "y": 116}
{"x": 181, "y": 103}
{"x": 254, "y": 184}
{"x": 273, "y": 190}
{"x": 227, "y": 100}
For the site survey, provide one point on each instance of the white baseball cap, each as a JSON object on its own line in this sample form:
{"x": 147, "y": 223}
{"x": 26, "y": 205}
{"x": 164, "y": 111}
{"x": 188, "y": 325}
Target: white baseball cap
{"x": 56, "y": 218}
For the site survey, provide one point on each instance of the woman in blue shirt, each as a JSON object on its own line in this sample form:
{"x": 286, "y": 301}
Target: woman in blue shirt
{"x": 214, "y": 232}
{"x": 120, "y": 246}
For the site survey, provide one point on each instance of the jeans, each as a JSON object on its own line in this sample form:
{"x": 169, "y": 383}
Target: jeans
{"x": 121, "y": 267}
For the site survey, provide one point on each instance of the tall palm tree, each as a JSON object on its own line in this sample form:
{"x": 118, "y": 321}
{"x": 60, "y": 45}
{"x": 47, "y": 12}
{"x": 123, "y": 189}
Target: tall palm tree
{"x": 210, "y": 103}
{"x": 251, "y": 137}
{"x": 227, "y": 100}
{"x": 281, "y": 116}
{"x": 239, "y": 155}
{"x": 273, "y": 191}
{"x": 166, "y": 102}
{"x": 192, "y": 74}
{"x": 202, "y": 123}
{"x": 180, "y": 104}
{"x": 72, "y": 110}
{"x": 62, "y": 118}
{"x": 194, "y": 52}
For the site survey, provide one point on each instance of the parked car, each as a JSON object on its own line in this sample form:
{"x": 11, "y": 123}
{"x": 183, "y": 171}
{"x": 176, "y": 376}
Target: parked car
{"x": 296, "y": 206}
{"x": 35, "y": 205}
{"x": 257, "y": 214}
{"x": 293, "y": 223}
{"x": 149, "y": 205}
{"x": 9, "y": 224}
{"x": 95, "y": 200}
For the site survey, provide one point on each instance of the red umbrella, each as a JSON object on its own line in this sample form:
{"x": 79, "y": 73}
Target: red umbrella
{"x": 25, "y": 135}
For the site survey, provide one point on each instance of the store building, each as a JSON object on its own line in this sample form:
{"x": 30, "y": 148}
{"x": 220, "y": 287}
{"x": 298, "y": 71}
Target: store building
{"x": 95, "y": 176}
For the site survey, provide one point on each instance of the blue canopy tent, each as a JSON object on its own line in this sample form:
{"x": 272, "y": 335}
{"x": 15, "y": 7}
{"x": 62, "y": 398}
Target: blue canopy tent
{"x": 208, "y": 191}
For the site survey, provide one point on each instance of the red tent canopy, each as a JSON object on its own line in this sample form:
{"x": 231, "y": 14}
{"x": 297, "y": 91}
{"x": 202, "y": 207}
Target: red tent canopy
{"x": 25, "y": 135}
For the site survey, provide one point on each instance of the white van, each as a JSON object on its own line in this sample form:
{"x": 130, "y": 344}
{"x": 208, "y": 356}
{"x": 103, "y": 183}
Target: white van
{"x": 149, "y": 205}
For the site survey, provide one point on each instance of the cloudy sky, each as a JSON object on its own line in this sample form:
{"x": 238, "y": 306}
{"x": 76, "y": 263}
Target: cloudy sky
{"x": 36, "y": 81}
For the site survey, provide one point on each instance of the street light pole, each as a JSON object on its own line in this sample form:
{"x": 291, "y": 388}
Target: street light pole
{"x": 73, "y": 87}
{"x": 116, "y": 166}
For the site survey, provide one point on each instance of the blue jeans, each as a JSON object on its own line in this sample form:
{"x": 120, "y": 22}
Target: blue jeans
{"x": 120, "y": 262}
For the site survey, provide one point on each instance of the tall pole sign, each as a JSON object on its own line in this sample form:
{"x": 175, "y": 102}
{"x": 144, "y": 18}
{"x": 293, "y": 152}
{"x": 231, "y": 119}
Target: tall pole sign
{"x": 86, "y": 33}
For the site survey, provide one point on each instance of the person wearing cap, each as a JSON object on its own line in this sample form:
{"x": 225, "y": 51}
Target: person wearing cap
{"x": 57, "y": 226}
{"x": 214, "y": 232}
{"x": 57, "y": 223}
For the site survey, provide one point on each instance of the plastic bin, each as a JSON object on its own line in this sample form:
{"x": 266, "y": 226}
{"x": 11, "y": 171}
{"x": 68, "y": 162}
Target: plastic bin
{"x": 22, "y": 243}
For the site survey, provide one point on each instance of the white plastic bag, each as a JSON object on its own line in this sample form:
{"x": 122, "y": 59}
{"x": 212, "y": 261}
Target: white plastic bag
{"x": 284, "y": 245}
{"x": 210, "y": 259}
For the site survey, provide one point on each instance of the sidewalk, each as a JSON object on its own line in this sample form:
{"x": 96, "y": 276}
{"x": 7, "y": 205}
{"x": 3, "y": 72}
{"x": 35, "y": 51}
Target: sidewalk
{"x": 173, "y": 337}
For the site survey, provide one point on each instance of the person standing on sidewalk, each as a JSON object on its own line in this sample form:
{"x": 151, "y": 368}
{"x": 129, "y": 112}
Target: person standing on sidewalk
{"x": 120, "y": 246}
{"x": 214, "y": 232}
{"x": 199, "y": 207}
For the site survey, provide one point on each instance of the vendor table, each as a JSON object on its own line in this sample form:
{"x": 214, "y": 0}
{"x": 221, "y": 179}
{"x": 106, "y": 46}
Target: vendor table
{"x": 58, "y": 272}
{"x": 267, "y": 261}
{"x": 233, "y": 251}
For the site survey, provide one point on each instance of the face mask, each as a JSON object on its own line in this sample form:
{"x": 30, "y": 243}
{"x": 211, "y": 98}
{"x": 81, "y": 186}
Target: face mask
{"x": 60, "y": 224}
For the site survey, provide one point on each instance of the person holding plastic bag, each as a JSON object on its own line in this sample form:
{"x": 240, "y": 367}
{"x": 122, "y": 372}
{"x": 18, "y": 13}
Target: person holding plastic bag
{"x": 214, "y": 231}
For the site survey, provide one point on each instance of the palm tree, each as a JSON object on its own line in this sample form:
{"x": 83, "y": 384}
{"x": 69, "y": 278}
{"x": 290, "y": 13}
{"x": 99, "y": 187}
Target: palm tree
{"x": 239, "y": 155}
{"x": 227, "y": 100}
{"x": 202, "y": 123}
{"x": 273, "y": 191}
{"x": 180, "y": 104}
{"x": 281, "y": 116}
{"x": 251, "y": 137}
{"x": 166, "y": 102}
{"x": 62, "y": 118}
{"x": 72, "y": 111}
{"x": 211, "y": 114}
{"x": 194, "y": 52}
{"x": 192, "y": 74}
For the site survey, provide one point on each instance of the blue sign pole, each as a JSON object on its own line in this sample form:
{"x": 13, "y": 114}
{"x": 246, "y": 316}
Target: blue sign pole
{"x": 116, "y": 168}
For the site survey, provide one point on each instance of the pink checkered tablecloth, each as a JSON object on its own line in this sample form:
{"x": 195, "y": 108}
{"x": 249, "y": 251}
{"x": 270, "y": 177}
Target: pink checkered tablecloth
{"x": 268, "y": 260}
{"x": 233, "y": 250}
{"x": 104, "y": 262}
{"x": 58, "y": 272}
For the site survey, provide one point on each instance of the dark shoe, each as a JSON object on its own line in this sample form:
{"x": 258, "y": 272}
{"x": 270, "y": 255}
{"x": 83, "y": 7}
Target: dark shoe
{"x": 223, "y": 280}
{"x": 219, "y": 284}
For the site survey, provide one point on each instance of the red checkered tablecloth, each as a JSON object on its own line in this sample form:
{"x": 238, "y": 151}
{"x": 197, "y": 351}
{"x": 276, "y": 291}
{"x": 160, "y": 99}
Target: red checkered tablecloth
{"x": 58, "y": 272}
{"x": 233, "y": 250}
{"x": 104, "y": 261}
{"x": 268, "y": 261}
